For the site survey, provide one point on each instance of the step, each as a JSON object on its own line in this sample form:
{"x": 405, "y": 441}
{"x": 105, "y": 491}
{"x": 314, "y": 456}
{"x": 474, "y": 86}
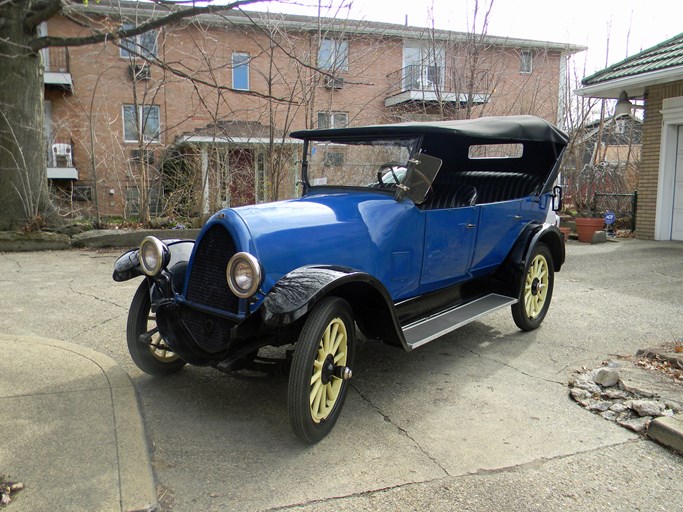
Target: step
{"x": 428, "y": 329}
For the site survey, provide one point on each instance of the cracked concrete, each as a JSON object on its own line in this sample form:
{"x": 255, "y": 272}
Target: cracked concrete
{"x": 478, "y": 420}
{"x": 400, "y": 429}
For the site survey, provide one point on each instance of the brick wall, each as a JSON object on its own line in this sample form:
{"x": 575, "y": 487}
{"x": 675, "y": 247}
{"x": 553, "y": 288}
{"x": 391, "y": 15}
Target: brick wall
{"x": 92, "y": 116}
{"x": 649, "y": 163}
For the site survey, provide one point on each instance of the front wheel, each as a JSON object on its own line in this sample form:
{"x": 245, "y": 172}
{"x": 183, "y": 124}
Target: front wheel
{"x": 536, "y": 289}
{"x": 318, "y": 379}
{"x": 146, "y": 346}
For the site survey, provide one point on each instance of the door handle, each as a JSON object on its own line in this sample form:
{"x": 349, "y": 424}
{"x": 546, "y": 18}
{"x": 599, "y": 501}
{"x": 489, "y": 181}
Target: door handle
{"x": 470, "y": 226}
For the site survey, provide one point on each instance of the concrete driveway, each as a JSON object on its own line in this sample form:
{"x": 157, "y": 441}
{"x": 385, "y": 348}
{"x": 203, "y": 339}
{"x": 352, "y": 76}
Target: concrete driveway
{"x": 478, "y": 420}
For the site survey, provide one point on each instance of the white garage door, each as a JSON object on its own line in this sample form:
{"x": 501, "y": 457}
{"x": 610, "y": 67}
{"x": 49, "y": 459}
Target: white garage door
{"x": 677, "y": 220}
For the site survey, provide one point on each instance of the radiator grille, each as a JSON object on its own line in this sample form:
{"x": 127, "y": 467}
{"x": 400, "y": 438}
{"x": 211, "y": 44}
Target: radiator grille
{"x": 210, "y": 332}
{"x": 207, "y": 282}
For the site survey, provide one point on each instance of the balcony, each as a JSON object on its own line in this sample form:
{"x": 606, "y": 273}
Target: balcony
{"x": 57, "y": 74}
{"x": 422, "y": 83}
{"x": 60, "y": 164}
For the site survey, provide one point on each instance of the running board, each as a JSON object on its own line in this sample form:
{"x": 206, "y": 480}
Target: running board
{"x": 427, "y": 329}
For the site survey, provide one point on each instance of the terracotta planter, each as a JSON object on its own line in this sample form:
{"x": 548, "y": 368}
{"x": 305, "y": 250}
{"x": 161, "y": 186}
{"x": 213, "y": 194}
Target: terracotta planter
{"x": 586, "y": 226}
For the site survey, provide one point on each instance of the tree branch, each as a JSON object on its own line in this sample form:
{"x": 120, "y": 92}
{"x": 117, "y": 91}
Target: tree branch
{"x": 194, "y": 79}
{"x": 99, "y": 37}
{"x": 41, "y": 10}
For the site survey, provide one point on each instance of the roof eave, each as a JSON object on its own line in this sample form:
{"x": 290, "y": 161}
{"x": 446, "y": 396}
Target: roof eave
{"x": 635, "y": 86}
{"x": 237, "y": 17}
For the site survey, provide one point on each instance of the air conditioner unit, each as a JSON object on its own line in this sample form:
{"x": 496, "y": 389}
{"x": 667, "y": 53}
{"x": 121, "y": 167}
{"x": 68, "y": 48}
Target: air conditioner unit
{"x": 139, "y": 72}
{"x": 334, "y": 82}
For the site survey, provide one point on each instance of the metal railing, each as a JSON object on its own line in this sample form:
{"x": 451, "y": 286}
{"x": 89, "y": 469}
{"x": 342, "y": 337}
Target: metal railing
{"x": 436, "y": 79}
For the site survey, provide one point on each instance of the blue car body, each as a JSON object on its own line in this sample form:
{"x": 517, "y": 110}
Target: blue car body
{"x": 449, "y": 228}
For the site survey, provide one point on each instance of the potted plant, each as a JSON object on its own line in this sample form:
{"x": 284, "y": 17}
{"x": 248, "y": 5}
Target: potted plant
{"x": 589, "y": 180}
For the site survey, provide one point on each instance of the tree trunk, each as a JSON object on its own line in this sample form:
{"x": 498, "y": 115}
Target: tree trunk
{"x": 23, "y": 179}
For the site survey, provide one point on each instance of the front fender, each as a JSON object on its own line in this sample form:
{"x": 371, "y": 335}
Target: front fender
{"x": 128, "y": 265}
{"x": 297, "y": 292}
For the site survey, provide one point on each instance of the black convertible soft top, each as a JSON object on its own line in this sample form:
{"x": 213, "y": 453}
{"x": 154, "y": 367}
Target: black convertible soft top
{"x": 508, "y": 128}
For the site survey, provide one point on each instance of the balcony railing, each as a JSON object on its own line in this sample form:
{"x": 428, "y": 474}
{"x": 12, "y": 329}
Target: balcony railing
{"x": 60, "y": 161}
{"x": 57, "y": 73}
{"x": 431, "y": 83}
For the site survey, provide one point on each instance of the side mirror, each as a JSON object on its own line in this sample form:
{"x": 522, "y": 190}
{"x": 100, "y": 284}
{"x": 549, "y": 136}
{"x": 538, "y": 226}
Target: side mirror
{"x": 419, "y": 177}
{"x": 557, "y": 198}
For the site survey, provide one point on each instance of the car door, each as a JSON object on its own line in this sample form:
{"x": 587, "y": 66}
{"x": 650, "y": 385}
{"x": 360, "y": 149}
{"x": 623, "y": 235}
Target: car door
{"x": 499, "y": 226}
{"x": 449, "y": 240}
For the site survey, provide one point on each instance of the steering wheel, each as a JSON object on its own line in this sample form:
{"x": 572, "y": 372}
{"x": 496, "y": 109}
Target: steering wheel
{"x": 390, "y": 166}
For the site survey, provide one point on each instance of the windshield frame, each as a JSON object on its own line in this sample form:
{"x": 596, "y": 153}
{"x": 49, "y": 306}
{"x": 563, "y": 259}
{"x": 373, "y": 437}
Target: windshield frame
{"x": 307, "y": 187}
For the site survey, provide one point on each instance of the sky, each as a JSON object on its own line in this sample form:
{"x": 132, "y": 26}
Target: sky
{"x": 611, "y": 29}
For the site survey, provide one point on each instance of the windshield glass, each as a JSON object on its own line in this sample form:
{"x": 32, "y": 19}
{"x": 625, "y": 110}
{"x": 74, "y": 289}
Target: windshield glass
{"x": 358, "y": 163}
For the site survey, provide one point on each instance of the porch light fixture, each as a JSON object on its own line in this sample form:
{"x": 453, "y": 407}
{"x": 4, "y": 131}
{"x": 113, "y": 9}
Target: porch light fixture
{"x": 624, "y": 106}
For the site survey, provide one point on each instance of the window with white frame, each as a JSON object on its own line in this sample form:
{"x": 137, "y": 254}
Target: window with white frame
{"x": 333, "y": 120}
{"x": 333, "y": 55}
{"x": 141, "y": 120}
{"x": 144, "y": 45}
{"x": 240, "y": 71}
{"x": 526, "y": 62}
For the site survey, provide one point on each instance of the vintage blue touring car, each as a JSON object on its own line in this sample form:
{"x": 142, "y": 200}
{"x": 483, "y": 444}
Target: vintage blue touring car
{"x": 407, "y": 231}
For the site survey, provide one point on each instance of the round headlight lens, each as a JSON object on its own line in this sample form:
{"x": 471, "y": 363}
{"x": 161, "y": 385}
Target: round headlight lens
{"x": 244, "y": 275}
{"x": 153, "y": 252}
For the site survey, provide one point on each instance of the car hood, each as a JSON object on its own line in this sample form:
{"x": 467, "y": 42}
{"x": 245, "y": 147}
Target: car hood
{"x": 353, "y": 229}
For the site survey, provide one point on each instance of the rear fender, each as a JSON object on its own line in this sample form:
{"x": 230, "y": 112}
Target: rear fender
{"x": 299, "y": 291}
{"x": 533, "y": 234}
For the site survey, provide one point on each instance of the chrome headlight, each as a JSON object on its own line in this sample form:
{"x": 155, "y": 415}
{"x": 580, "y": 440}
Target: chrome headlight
{"x": 244, "y": 275}
{"x": 154, "y": 255}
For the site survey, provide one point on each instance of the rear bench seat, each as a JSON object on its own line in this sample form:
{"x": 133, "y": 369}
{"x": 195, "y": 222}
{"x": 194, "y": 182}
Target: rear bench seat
{"x": 494, "y": 186}
{"x": 479, "y": 187}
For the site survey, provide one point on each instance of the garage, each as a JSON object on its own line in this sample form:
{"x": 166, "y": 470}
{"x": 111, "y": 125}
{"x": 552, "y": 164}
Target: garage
{"x": 652, "y": 80}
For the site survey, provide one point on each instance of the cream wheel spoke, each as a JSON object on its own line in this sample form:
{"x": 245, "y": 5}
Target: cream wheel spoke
{"x": 315, "y": 394}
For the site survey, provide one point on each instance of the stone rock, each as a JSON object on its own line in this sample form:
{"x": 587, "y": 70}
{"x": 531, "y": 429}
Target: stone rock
{"x": 598, "y": 405}
{"x": 616, "y": 394}
{"x": 648, "y": 407}
{"x": 609, "y": 415}
{"x": 618, "y": 408}
{"x": 637, "y": 388}
{"x": 581, "y": 396}
{"x": 599, "y": 237}
{"x": 606, "y": 377}
{"x": 584, "y": 381}
{"x": 674, "y": 406}
{"x": 638, "y": 425}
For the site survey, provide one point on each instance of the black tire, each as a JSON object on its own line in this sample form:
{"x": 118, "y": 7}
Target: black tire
{"x": 312, "y": 421}
{"x": 535, "y": 289}
{"x": 150, "y": 358}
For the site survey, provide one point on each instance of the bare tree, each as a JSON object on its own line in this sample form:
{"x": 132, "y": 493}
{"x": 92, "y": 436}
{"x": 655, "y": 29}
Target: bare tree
{"x": 23, "y": 179}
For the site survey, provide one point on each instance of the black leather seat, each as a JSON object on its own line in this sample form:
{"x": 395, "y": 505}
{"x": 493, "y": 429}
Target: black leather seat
{"x": 450, "y": 196}
{"x": 494, "y": 186}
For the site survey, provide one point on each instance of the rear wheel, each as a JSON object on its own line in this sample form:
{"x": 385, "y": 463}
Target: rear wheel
{"x": 536, "y": 289}
{"x": 318, "y": 381}
{"x": 146, "y": 346}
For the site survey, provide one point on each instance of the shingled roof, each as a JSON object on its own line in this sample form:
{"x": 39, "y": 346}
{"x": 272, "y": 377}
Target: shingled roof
{"x": 661, "y": 63}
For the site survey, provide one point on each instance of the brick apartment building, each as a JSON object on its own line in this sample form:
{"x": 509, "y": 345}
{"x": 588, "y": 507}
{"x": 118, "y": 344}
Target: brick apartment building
{"x": 196, "y": 115}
